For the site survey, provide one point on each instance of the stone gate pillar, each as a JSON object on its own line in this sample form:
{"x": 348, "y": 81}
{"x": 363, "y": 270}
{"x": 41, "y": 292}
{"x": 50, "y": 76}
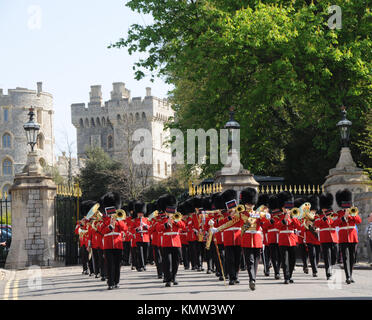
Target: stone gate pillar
{"x": 32, "y": 207}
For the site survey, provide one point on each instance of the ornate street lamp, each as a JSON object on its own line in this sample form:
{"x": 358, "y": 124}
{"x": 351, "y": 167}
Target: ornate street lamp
{"x": 231, "y": 125}
{"x": 344, "y": 126}
{"x": 32, "y": 128}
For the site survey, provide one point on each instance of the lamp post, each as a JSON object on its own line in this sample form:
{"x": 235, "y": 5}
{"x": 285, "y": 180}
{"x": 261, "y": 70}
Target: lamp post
{"x": 232, "y": 125}
{"x": 32, "y": 128}
{"x": 344, "y": 126}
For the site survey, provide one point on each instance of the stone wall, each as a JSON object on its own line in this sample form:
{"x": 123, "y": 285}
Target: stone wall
{"x": 364, "y": 203}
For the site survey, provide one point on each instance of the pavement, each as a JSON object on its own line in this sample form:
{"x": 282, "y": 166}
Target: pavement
{"x": 68, "y": 283}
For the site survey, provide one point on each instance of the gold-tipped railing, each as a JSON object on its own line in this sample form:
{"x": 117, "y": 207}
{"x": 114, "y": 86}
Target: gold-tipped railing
{"x": 69, "y": 191}
{"x": 295, "y": 189}
{"x": 205, "y": 189}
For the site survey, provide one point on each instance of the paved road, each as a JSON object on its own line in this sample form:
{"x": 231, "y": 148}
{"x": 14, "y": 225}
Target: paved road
{"x": 69, "y": 283}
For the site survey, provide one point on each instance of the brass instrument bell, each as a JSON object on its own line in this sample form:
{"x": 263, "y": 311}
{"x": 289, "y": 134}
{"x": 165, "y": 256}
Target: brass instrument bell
{"x": 353, "y": 211}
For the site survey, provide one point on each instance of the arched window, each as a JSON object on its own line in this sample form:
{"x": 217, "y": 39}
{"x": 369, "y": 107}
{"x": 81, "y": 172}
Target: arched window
{"x": 137, "y": 116}
{"x": 7, "y": 141}
{"x": 6, "y": 191}
{"x": 103, "y": 122}
{"x": 110, "y": 141}
{"x": 87, "y": 123}
{"x": 92, "y": 122}
{"x": 7, "y": 167}
{"x": 118, "y": 117}
{"x": 81, "y": 123}
{"x": 98, "y": 122}
{"x": 131, "y": 117}
{"x": 6, "y": 114}
{"x": 40, "y": 141}
{"x": 143, "y": 116}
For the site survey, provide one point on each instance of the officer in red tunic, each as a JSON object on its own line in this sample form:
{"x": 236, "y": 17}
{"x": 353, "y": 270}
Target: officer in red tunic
{"x": 272, "y": 233}
{"x": 348, "y": 236}
{"x": 171, "y": 242}
{"x": 184, "y": 242}
{"x": 192, "y": 233}
{"x": 95, "y": 243}
{"x": 302, "y": 245}
{"x": 287, "y": 237}
{"x": 112, "y": 229}
{"x": 252, "y": 238}
{"x": 156, "y": 240}
{"x": 327, "y": 232}
{"x": 126, "y": 239}
{"x": 150, "y": 208}
{"x": 140, "y": 227}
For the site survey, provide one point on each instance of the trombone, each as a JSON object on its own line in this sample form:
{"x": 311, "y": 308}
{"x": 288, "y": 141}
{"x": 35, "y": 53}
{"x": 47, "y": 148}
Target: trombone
{"x": 176, "y": 216}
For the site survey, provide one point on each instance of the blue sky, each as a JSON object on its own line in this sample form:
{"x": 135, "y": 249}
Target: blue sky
{"x": 63, "y": 43}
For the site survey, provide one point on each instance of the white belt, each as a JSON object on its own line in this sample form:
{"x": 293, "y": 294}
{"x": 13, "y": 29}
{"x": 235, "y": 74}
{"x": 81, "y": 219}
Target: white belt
{"x": 112, "y": 234}
{"x": 349, "y": 227}
{"x": 143, "y": 231}
{"x": 271, "y": 230}
{"x": 184, "y": 233}
{"x": 170, "y": 233}
{"x": 286, "y": 231}
{"x": 253, "y": 231}
{"x": 327, "y": 229}
{"x": 233, "y": 229}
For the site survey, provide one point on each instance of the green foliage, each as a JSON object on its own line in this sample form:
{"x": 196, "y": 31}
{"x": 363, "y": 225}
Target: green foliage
{"x": 365, "y": 144}
{"x": 276, "y": 61}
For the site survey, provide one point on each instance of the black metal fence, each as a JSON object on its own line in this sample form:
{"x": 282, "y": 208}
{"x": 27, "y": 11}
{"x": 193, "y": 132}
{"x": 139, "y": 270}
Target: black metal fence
{"x": 5, "y": 228}
{"x": 66, "y": 241}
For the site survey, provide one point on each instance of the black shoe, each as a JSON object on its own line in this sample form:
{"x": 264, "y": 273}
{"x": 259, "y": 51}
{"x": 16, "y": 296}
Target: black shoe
{"x": 187, "y": 268}
{"x": 243, "y": 269}
{"x": 164, "y": 281}
{"x": 220, "y": 278}
{"x": 231, "y": 282}
{"x": 193, "y": 268}
{"x": 175, "y": 282}
{"x": 237, "y": 281}
{"x": 277, "y": 277}
{"x": 103, "y": 279}
{"x": 117, "y": 286}
{"x": 209, "y": 271}
{"x": 144, "y": 269}
{"x": 267, "y": 274}
{"x": 348, "y": 281}
{"x": 90, "y": 274}
{"x": 352, "y": 280}
{"x": 160, "y": 276}
{"x": 315, "y": 275}
{"x": 329, "y": 277}
{"x": 286, "y": 281}
{"x": 291, "y": 281}
{"x": 168, "y": 284}
{"x": 110, "y": 288}
{"x": 252, "y": 285}
{"x": 97, "y": 276}
{"x": 218, "y": 274}
{"x": 306, "y": 270}
{"x": 200, "y": 269}
{"x": 133, "y": 268}
{"x": 85, "y": 272}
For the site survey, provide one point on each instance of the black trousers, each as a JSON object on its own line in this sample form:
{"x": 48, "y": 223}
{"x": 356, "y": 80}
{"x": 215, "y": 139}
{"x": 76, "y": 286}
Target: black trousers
{"x": 113, "y": 257}
{"x": 221, "y": 249}
{"x": 84, "y": 256}
{"x": 304, "y": 254}
{"x": 314, "y": 254}
{"x": 150, "y": 254}
{"x": 142, "y": 248}
{"x": 329, "y": 251}
{"x": 252, "y": 256}
{"x": 288, "y": 259}
{"x": 196, "y": 258}
{"x": 243, "y": 265}
{"x": 233, "y": 256}
{"x": 126, "y": 252}
{"x": 171, "y": 262}
{"x": 266, "y": 258}
{"x": 133, "y": 253}
{"x": 102, "y": 263}
{"x": 209, "y": 256}
{"x": 275, "y": 257}
{"x": 348, "y": 257}
{"x": 96, "y": 261}
{"x": 186, "y": 256}
{"x": 158, "y": 260}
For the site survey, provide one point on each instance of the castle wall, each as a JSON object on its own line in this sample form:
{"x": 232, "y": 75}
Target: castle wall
{"x": 17, "y": 102}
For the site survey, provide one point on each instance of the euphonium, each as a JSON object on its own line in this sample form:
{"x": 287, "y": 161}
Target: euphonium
{"x": 353, "y": 211}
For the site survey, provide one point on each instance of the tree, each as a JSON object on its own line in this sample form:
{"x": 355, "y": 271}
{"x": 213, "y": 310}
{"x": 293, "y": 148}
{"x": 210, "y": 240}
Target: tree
{"x": 277, "y": 61}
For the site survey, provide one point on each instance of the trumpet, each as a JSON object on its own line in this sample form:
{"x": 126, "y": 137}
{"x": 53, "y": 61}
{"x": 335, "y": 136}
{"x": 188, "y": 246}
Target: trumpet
{"x": 295, "y": 212}
{"x": 120, "y": 215}
{"x": 177, "y": 216}
{"x": 353, "y": 211}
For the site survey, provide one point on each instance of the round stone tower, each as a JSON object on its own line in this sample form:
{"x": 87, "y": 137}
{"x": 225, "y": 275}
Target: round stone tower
{"x": 14, "y": 108}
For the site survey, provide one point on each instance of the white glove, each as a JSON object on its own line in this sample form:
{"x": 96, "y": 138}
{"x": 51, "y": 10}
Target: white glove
{"x": 211, "y": 222}
{"x": 214, "y": 230}
{"x": 268, "y": 216}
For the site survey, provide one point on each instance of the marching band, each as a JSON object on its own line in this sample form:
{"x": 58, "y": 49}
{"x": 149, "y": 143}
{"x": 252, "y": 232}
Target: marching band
{"x": 227, "y": 235}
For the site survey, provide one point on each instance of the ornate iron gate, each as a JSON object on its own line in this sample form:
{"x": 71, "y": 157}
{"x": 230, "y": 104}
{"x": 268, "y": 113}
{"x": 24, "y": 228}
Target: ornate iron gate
{"x": 67, "y": 213}
{"x": 5, "y": 227}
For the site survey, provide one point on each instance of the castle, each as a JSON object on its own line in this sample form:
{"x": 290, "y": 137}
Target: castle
{"x": 14, "y": 108}
{"x": 110, "y": 125}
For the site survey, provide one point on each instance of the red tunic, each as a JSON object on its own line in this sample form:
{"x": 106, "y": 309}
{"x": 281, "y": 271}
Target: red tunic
{"x": 140, "y": 227}
{"x": 232, "y": 235}
{"x": 112, "y": 239}
{"x": 327, "y": 230}
{"x": 272, "y": 232}
{"x": 171, "y": 234}
{"x": 347, "y": 232}
{"x": 287, "y": 236}
{"x": 253, "y": 238}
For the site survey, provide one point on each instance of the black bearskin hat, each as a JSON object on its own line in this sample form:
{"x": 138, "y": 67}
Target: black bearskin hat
{"x": 181, "y": 208}
{"x": 229, "y": 195}
{"x": 207, "y": 203}
{"x": 198, "y": 202}
{"x": 166, "y": 200}
{"x": 217, "y": 201}
{"x": 343, "y": 198}
{"x": 110, "y": 199}
{"x": 263, "y": 199}
{"x": 131, "y": 205}
{"x": 150, "y": 208}
{"x": 86, "y": 206}
{"x": 326, "y": 200}
{"x": 284, "y": 198}
{"x": 188, "y": 206}
{"x": 248, "y": 196}
{"x": 314, "y": 201}
{"x": 274, "y": 202}
{"x": 299, "y": 202}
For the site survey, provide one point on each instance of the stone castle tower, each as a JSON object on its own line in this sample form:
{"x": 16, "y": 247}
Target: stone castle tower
{"x": 14, "y": 108}
{"x": 110, "y": 125}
